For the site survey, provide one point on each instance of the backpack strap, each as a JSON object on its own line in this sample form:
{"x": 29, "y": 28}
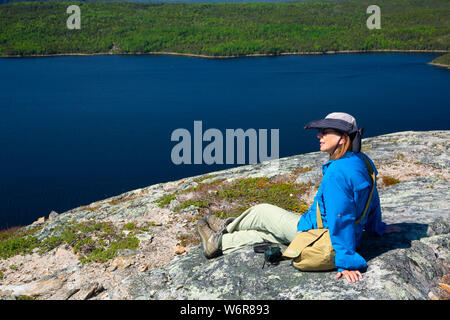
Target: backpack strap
{"x": 372, "y": 176}
{"x": 319, "y": 217}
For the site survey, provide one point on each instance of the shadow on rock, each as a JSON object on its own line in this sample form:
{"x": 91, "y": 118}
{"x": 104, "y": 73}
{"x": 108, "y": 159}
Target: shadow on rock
{"x": 372, "y": 247}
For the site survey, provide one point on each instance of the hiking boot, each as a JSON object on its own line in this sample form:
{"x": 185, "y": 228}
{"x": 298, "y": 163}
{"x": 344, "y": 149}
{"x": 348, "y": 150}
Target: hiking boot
{"x": 210, "y": 240}
{"x": 217, "y": 224}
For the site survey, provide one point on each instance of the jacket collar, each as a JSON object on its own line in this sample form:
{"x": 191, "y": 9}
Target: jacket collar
{"x": 348, "y": 154}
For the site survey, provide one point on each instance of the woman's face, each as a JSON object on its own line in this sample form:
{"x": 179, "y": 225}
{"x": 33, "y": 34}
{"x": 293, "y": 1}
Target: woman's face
{"x": 328, "y": 139}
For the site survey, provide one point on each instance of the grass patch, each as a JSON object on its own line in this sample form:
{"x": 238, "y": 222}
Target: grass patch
{"x": 16, "y": 241}
{"x": 118, "y": 201}
{"x": 299, "y": 171}
{"x": 226, "y": 199}
{"x": 203, "y": 178}
{"x": 93, "y": 241}
{"x": 232, "y": 212}
{"x": 188, "y": 239}
{"x": 166, "y": 199}
{"x": 130, "y": 226}
{"x": 250, "y": 191}
{"x": 195, "y": 203}
{"x": 24, "y": 297}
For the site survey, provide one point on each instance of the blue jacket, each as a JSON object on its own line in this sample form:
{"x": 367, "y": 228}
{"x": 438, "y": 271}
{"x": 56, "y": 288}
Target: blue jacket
{"x": 342, "y": 195}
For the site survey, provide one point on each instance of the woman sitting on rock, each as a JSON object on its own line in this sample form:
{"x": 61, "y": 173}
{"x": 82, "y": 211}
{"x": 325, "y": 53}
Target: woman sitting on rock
{"x": 341, "y": 198}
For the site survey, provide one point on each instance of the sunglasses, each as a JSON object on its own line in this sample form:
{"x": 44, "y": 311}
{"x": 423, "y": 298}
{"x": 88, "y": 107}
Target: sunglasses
{"x": 326, "y": 131}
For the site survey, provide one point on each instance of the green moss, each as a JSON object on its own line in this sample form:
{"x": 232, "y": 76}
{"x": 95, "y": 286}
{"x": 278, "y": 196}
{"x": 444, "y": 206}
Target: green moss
{"x": 195, "y": 203}
{"x": 104, "y": 252}
{"x": 298, "y": 171}
{"x": 130, "y": 226}
{"x": 231, "y": 212}
{"x": 187, "y": 239}
{"x": 17, "y": 241}
{"x": 390, "y": 181}
{"x": 201, "y": 187}
{"x": 25, "y": 298}
{"x": 205, "y": 177}
{"x": 166, "y": 199}
{"x": 262, "y": 190}
{"x": 242, "y": 194}
{"x": 93, "y": 241}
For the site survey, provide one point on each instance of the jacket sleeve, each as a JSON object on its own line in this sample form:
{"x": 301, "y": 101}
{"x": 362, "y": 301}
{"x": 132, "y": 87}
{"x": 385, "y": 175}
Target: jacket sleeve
{"x": 340, "y": 210}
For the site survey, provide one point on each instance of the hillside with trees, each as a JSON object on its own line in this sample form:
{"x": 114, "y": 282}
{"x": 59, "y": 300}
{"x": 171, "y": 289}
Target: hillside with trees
{"x": 226, "y": 29}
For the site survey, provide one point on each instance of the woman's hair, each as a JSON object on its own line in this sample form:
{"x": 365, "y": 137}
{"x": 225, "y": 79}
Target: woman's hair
{"x": 342, "y": 148}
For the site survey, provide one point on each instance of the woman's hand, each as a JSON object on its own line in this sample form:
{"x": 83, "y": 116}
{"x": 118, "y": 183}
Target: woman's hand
{"x": 350, "y": 275}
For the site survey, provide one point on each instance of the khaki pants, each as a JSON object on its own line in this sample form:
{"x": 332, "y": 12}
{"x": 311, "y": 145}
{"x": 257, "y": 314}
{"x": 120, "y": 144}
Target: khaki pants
{"x": 260, "y": 223}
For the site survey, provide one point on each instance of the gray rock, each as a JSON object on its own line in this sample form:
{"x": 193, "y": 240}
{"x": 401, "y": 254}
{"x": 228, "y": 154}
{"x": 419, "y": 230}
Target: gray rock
{"x": 145, "y": 237}
{"x": 402, "y": 265}
{"x": 53, "y": 215}
{"x": 314, "y": 176}
{"x": 173, "y": 205}
{"x": 91, "y": 290}
{"x": 405, "y": 265}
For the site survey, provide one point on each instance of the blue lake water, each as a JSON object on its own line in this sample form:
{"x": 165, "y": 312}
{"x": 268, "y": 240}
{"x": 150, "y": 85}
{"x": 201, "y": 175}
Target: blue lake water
{"x": 74, "y": 130}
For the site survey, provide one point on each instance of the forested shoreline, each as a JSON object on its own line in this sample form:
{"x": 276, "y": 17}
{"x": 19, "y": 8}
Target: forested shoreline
{"x": 230, "y": 29}
{"x": 442, "y": 61}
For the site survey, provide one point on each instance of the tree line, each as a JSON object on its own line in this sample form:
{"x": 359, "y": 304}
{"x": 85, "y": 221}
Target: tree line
{"x": 226, "y": 29}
